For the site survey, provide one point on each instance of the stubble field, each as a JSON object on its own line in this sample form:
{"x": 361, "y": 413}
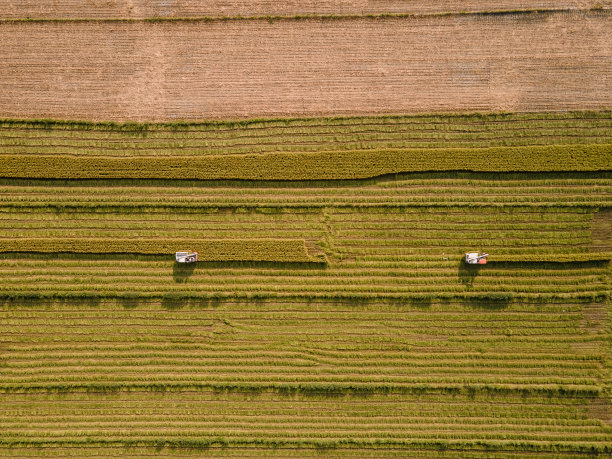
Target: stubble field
{"x": 251, "y": 68}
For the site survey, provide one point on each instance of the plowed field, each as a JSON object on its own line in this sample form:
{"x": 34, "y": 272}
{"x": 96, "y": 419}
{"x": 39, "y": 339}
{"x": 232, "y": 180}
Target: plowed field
{"x": 191, "y": 8}
{"x": 245, "y": 68}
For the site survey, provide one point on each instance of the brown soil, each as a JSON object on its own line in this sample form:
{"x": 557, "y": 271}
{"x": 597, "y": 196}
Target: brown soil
{"x": 183, "y": 70}
{"x": 191, "y": 8}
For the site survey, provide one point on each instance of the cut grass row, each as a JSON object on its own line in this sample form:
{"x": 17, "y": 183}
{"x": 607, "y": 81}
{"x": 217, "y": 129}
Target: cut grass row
{"x": 562, "y": 414}
{"x": 312, "y": 166}
{"x": 27, "y": 144}
{"x": 291, "y": 200}
{"x": 299, "y": 347}
{"x": 404, "y": 194}
{"x": 553, "y": 258}
{"x": 106, "y": 451}
{"x": 303, "y": 135}
{"x": 442, "y": 444}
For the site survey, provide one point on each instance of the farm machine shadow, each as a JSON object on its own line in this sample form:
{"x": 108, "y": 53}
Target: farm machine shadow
{"x": 470, "y": 266}
{"x": 467, "y": 273}
{"x": 181, "y": 272}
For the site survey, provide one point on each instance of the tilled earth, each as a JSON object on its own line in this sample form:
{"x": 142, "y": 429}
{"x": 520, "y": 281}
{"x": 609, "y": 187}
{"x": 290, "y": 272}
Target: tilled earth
{"x": 250, "y": 68}
{"x": 191, "y": 8}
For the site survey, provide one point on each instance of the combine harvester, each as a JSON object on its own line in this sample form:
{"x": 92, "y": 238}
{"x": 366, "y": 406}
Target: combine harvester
{"x": 476, "y": 258}
{"x": 186, "y": 257}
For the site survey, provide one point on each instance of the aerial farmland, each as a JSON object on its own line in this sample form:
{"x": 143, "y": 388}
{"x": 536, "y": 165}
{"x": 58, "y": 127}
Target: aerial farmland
{"x": 295, "y": 229}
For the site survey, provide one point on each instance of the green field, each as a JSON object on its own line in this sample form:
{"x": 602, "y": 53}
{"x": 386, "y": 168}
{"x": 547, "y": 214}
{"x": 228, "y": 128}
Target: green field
{"x": 332, "y": 313}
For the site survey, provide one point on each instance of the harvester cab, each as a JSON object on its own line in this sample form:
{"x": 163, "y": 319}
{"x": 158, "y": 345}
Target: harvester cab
{"x": 186, "y": 257}
{"x": 476, "y": 258}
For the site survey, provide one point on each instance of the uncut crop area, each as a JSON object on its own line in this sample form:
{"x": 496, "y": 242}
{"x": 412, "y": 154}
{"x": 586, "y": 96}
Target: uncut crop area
{"x": 331, "y": 172}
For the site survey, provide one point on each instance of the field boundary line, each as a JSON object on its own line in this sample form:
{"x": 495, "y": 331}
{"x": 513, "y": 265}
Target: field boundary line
{"x": 134, "y": 126}
{"x": 315, "y": 17}
{"x": 570, "y": 391}
{"x": 585, "y": 447}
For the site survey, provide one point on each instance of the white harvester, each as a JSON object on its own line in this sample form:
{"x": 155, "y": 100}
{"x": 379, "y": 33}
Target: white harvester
{"x": 186, "y": 257}
{"x": 476, "y": 258}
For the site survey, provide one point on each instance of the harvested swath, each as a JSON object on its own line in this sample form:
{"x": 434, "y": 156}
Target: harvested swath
{"x": 313, "y": 166}
{"x": 302, "y": 135}
{"x": 301, "y": 347}
{"x": 48, "y": 137}
{"x": 255, "y": 451}
{"x": 299, "y": 202}
{"x": 289, "y": 250}
{"x": 552, "y": 258}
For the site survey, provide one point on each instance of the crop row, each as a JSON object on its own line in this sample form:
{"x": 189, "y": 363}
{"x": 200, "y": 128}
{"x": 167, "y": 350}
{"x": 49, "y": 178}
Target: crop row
{"x": 254, "y": 451}
{"x": 292, "y": 419}
{"x": 556, "y": 258}
{"x": 394, "y": 217}
{"x": 502, "y": 281}
{"x": 493, "y": 272}
{"x": 354, "y": 243}
{"x": 29, "y": 144}
{"x": 205, "y": 275}
{"x": 313, "y": 166}
{"x": 521, "y": 203}
{"x": 289, "y": 250}
{"x": 394, "y": 189}
{"x": 442, "y": 197}
{"x": 294, "y": 346}
{"x": 29, "y": 222}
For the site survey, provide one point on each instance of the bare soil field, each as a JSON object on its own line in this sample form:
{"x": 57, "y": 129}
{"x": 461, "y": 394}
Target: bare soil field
{"x": 195, "y": 70}
{"x": 191, "y": 8}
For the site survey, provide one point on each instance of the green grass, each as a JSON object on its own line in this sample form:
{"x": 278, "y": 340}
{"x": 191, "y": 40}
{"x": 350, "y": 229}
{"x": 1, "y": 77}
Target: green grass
{"x": 305, "y": 373}
{"x": 393, "y": 345}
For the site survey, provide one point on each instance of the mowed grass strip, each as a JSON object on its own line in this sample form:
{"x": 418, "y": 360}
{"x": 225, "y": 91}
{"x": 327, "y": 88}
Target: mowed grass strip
{"x": 201, "y": 418}
{"x": 449, "y": 189}
{"x": 313, "y": 166}
{"x": 303, "y": 346}
{"x": 302, "y": 135}
{"x": 287, "y": 250}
